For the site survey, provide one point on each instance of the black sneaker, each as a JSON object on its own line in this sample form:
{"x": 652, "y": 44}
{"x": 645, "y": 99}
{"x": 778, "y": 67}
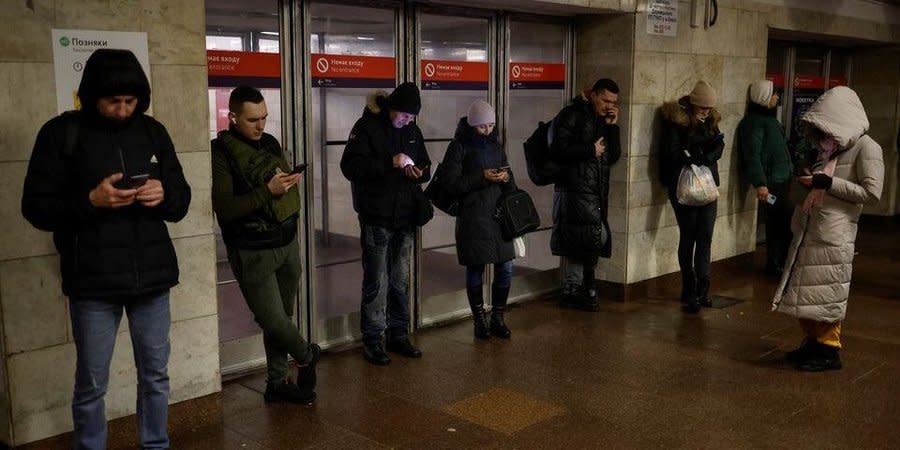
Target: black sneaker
{"x": 800, "y": 353}
{"x": 403, "y": 347}
{"x": 286, "y": 392}
{"x": 823, "y": 358}
{"x": 306, "y": 373}
{"x": 581, "y": 301}
{"x": 374, "y": 353}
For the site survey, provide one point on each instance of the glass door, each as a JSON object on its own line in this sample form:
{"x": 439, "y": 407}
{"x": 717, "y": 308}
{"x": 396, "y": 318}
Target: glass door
{"x": 453, "y": 61}
{"x": 536, "y": 90}
{"x": 352, "y": 55}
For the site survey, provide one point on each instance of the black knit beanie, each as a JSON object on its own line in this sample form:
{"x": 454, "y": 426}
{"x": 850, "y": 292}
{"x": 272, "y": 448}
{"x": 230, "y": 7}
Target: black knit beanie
{"x": 405, "y": 98}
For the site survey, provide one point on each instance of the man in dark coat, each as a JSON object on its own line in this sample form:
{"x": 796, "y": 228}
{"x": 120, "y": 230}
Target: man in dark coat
{"x": 586, "y": 144}
{"x": 105, "y": 180}
{"x": 385, "y": 161}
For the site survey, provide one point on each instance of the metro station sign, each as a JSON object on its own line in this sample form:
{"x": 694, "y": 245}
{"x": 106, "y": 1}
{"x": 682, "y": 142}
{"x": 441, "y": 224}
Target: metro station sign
{"x": 523, "y": 75}
{"x": 230, "y": 69}
{"x": 352, "y": 71}
{"x": 454, "y": 75}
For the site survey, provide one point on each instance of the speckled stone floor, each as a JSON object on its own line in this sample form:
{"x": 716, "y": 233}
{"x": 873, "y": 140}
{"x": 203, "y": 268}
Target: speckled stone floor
{"x": 636, "y": 374}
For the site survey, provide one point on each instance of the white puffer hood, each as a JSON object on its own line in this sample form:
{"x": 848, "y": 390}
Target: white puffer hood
{"x": 839, "y": 113}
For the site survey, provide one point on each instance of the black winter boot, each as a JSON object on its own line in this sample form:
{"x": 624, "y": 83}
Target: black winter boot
{"x": 689, "y": 303}
{"x": 476, "y": 302}
{"x": 703, "y": 292}
{"x": 499, "y": 296}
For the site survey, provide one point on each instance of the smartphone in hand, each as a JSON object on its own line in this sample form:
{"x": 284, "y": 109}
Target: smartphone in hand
{"x": 423, "y": 167}
{"x": 136, "y": 181}
{"x": 502, "y": 169}
{"x": 770, "y": 199}
{"x": 299, "y": 168}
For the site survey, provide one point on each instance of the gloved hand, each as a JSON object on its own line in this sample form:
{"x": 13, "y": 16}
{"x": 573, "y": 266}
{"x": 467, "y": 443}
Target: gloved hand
{"x": 822, "y": 181}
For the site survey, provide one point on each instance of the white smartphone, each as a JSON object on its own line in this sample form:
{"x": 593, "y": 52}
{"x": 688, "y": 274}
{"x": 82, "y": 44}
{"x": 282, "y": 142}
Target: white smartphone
{"x": 771, "y": 199}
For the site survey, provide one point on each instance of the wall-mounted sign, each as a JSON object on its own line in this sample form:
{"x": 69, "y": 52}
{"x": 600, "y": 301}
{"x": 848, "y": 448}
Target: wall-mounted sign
{"x": 71, "y": 49}
{"x": 230, "y": 69}
{"x": 353, "y": 71}
{"x": 837, "y": 81}
{"x": 662, "y": 17}
{"x": 524, "y": 75}
{"x": 454, "y": 75}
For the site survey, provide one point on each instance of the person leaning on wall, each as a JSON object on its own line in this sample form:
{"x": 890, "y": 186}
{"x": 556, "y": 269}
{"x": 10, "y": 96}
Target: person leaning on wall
{"x": 766, "y": 164}
{"x": 691, "y": 136}
{"x": 478, "y": 172}
{"x": 105, "y": 180}
{"x": 257, "y": 203}
{"x": 843, "y": 172}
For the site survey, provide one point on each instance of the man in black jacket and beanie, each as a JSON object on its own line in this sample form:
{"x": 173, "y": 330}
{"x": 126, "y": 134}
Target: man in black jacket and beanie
{"x": 585, "y": 143}
{"x": 385, "y": 161}
{"x": 105, "y": 180}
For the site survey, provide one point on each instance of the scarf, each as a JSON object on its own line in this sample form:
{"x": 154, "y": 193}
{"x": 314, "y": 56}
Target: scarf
{"x": 825, "y": 163}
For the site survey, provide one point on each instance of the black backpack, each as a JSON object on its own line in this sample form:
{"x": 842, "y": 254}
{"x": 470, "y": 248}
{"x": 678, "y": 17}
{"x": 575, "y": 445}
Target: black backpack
{"x": 516, "y": 214}
{"x": 437, "y": 192}
{"x": 541, "y": 169}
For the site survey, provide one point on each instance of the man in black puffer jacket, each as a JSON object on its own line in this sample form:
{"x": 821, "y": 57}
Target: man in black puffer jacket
{"x": 105, "y": 180}
{"x": 385, "y": 161}
{"x": 585, "y": 143}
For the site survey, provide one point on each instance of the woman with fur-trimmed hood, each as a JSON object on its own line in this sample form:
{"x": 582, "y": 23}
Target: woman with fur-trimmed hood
{"x": 691, "y": 136}
{"x": 844, "y": 171}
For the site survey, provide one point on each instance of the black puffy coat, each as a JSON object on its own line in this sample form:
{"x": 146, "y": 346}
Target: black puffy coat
{"x": 582, "y": 192}
{"x": 680, "y": 134}
{"x": 106, "y": 252}
{"x": 478, "y": 236}
{"x": 382, "y": 195}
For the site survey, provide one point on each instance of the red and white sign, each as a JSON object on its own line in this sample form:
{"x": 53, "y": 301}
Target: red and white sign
{"x": 523, "y": 75}
{"x": 465, "y": 75}
{"x": 837, "y": 81}
{"x": 221, "y": 63}
{"x": 777, "y": 79}
{"x": 353, "y": 66}
{"x": 809, "y": 82}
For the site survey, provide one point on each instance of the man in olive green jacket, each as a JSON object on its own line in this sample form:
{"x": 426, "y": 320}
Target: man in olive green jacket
{"x": 256, "y": 201}
{"x": 766, "y": 163}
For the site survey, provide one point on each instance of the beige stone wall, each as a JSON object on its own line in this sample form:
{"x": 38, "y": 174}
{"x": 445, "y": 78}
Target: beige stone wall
{"x": 38, "y": 355}
{"x": 878, "y": 87}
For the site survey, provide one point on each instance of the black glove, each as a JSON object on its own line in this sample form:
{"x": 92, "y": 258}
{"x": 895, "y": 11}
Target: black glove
{"x": 822, "y": 181}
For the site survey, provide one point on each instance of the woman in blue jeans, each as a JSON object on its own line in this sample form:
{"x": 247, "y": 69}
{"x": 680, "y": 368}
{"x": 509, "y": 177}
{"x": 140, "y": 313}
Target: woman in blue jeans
{"x": 691, "y": 136}
{"x": 478, "y": 172}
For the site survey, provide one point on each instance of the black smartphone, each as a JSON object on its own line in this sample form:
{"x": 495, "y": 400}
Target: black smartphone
{"x": 423, "y": 167}
{"x": 299, "y": 168}
{"x": 136, "y": 181}
{"x": 502, "y": 169}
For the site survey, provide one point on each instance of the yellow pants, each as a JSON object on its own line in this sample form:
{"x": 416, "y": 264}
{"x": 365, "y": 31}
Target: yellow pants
{"x": 823, "y": 332}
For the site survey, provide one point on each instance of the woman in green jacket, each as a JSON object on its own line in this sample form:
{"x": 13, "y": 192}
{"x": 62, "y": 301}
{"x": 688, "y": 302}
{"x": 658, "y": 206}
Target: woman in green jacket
{"x": 766, "y": 164}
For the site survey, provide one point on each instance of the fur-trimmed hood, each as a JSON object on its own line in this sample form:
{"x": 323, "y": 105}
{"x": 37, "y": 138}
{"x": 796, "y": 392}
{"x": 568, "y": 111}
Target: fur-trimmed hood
{"x": 677, "y": 113}
{"x": 376, "y": 101}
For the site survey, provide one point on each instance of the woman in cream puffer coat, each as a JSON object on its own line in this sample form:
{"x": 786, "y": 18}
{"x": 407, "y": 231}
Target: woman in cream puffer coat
{"x": 845, "y": 172}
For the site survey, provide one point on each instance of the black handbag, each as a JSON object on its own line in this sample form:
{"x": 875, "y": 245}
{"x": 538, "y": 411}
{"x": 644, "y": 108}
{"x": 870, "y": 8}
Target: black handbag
{"x": 437, "y": 192}
{"x": 516, "y": 214}
{"x": 423, "y": 212}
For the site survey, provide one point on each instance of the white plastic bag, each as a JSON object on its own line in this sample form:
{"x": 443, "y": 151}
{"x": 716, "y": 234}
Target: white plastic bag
{"x": 519, "y": 243}
{"x": 696, "y": 186}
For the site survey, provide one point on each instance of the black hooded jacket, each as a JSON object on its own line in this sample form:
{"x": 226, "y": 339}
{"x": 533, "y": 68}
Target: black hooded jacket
{"x": 582, "y": 192}
{"x": 382, "y": 195}
{"x": 478, "y": 236}
{"x": 105, "y": 252}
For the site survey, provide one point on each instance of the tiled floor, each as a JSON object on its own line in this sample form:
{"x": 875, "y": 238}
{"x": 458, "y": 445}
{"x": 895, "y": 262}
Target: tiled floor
{"x": 633, "y": 375}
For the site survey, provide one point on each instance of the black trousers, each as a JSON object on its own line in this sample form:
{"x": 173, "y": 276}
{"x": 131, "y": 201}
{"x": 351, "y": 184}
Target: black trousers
{"x": 778, "y": 226}
{"x": 695, "y": 232}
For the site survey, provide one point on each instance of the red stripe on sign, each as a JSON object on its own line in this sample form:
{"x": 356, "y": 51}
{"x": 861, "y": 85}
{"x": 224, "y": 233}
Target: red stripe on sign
{"x": 809, "y": 82}
{"x": 837, "y": 81}
{"x": 440, "y": 70}
{"x": 537, "y": 72}
{"x": 777, "y": 79}
{"x": 325, "y": 65}
{"x": 224, "y": 63}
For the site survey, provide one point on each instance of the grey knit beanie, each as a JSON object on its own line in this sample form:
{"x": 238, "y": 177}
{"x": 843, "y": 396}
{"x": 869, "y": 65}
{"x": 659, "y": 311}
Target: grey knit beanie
{"x": 703, "y": 95}
{"x": 480, "y": 113}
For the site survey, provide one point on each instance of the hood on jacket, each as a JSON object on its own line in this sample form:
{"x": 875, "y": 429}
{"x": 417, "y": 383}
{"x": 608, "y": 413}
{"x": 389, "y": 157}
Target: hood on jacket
{"x": 376, "y": 102}
{"x": 467, "y": 134}
{"x": 677, "y": 112}
{"x": 110, "y": 72}
{"x": 840, "y": 113}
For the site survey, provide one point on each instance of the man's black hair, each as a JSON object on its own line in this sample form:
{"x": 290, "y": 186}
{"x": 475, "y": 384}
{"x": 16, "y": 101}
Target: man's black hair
{"x": 605, "y": 84}
{"x": 243, "y": 94}
{"x": 112, "y": 72}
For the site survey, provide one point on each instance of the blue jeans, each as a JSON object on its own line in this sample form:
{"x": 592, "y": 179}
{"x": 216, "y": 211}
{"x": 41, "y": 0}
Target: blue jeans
{"x": 385, "y": 261}
{"x": 502, "y": 274}
{"x": 94, "y": 327}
